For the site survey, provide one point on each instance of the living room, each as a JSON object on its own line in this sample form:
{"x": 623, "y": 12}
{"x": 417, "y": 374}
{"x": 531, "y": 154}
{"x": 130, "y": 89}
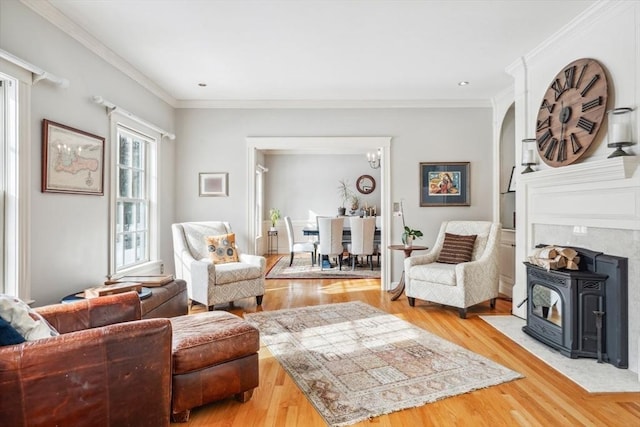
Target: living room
{"x": 64, "y": 240}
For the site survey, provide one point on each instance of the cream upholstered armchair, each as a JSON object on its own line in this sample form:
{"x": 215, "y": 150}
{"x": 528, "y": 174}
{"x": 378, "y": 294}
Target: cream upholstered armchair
{"x": 442, "y": 276}
{"x": 236, "y": 276}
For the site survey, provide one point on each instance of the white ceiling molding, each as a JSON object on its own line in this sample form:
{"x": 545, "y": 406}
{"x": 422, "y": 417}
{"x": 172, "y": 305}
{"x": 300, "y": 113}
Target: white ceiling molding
{"x": 53, "y": 15}
{"x": 329, "y": 103}
{"x": 575, "y": 28}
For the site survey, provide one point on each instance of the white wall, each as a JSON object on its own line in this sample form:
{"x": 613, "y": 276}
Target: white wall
{"x": 296, "y": 186}
{"x": 68, "y": 249}
{"x": 214, "y": 141}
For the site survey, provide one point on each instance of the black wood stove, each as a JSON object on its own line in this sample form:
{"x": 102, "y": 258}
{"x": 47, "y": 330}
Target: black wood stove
{"x": 581, "y": 313}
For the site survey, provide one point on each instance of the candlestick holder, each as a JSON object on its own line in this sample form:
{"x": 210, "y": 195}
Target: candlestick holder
{"x": 528, "y": 154}
{"x": 620, "y": 131}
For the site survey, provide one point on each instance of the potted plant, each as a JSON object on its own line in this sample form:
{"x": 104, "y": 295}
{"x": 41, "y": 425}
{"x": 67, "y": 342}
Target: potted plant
{"x": 344, "y": 192}
{"x": 274, "y": 215}
{"x": 355, "y": 203}
{"x": 410, "y": 235}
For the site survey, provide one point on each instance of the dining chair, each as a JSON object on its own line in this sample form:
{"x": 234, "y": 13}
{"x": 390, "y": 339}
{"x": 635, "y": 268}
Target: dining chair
{"x": 298, "y": 247}
{"x": 330, "y": 239}
{"x": 362, "y": 235}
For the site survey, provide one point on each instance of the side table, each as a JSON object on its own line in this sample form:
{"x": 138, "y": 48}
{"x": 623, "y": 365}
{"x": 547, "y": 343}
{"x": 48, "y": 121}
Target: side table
{"x": 399, "y": 289}
{"x": 272, "y": 235}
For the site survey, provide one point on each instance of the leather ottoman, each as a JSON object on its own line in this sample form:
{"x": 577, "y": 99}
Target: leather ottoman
{"x": 215, "y": 356}
{"x": 166, "y": 301}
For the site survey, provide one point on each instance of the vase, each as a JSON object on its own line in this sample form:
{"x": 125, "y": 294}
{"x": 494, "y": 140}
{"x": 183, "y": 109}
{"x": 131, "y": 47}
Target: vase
{"x": 407, "y": 240}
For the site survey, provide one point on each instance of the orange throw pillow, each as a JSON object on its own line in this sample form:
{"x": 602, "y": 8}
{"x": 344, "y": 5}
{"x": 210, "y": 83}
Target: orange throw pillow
{"x": 456, "y": 248}
{"x": 222, "y": 248}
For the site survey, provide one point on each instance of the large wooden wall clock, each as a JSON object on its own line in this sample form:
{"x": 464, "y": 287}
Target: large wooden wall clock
{"x": 571, "y": 112}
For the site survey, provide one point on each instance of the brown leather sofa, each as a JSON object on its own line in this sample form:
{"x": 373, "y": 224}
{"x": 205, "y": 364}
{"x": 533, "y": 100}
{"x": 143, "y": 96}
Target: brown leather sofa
{"x": 106, "y": 368}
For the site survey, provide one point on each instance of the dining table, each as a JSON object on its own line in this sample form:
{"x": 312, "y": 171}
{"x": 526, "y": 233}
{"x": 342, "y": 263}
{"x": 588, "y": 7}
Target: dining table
{"x": 346, "y": 234}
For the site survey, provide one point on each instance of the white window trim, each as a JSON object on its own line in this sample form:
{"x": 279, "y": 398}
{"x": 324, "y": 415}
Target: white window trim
{"x": 17, "y": 169}
{"x": 154, "y": 265}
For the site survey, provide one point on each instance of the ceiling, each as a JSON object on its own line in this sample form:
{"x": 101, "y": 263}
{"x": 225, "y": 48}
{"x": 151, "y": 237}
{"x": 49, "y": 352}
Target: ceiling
{"x": 321, "y": 50}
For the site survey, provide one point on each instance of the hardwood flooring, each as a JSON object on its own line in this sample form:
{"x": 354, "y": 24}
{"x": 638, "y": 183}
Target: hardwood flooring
{"x": 543, "y": 398}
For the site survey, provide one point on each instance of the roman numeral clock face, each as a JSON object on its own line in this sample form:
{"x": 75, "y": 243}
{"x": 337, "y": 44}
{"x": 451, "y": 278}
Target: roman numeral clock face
{"x": 571, "y": 112}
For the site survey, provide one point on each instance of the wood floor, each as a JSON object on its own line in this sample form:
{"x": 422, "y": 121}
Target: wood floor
{"x": 543, "y": 398}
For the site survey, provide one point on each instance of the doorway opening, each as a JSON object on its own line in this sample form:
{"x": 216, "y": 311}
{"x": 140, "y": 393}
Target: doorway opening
{"x": 259, "y": 146}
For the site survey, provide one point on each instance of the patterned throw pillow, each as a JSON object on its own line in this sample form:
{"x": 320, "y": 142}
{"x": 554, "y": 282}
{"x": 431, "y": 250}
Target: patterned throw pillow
{"x": 222, "y": 249}
{"x": 456, "y": 248}
{"x": 26, "y": 321}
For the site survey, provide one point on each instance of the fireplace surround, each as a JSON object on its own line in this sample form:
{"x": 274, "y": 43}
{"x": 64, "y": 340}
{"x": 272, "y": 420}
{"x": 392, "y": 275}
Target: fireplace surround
{"x": 581, "y": 313}
{"x": 592, "y": 204}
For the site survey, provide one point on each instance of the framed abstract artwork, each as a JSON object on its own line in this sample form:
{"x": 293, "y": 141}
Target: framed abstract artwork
{"x": 72, "y": 160}
{"x": 444, "y": 184}
{"x": 214, "y": 184}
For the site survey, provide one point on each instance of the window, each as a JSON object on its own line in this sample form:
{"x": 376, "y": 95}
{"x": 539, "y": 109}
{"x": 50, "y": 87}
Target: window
{"x": 9, "y": 225}
{"x": 134, "y": 225}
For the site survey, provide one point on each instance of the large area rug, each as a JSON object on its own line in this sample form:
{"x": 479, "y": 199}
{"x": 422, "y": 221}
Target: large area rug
{"x": 355, "y": 362}
{"x": 592, "y": 376}
{"x": 302, "y": 269}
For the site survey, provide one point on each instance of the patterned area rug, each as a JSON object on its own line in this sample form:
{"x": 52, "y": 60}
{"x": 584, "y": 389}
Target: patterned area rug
{"x": 355, "y": 362}
{"x": 302, "y": 269}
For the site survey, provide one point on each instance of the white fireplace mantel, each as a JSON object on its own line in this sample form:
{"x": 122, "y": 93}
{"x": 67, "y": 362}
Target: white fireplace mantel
{"x": 600, "y": 193}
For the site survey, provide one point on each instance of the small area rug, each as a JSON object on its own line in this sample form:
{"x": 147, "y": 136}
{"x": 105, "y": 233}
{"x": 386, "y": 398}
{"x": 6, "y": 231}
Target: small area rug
{"x": 302, "y": 269}
{"x": 592, "y": 376}
{"x": 354, "y": 361}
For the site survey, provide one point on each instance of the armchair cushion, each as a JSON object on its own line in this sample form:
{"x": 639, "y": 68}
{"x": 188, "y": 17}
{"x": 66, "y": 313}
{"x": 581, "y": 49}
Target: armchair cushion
{"x": 222, "y": 248}
{"x": 26, "y": 321}
{"x": 456, "y": 248}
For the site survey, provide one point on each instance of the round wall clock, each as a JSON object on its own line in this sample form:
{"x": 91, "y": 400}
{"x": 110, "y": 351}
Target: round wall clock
{"x": 571, "y": 112}
{"x": 366, "y": 184}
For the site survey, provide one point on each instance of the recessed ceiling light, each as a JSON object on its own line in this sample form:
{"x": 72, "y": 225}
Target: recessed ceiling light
{"x": 463, "y": 83}
{"x": 202, "y": 84}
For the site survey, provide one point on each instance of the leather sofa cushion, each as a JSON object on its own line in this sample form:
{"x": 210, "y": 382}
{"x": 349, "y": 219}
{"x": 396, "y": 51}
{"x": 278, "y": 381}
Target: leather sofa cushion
{"x": 207, "y": 339}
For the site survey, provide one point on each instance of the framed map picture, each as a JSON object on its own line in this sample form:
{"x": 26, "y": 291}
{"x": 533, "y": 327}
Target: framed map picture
{"x": 72, "y": 160}
{"x": 444, "y": 184}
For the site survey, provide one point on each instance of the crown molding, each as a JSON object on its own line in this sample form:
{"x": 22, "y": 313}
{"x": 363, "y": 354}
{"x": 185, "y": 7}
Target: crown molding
{"x": 584, "y": 22}
{"x": 57, "y": 18}
{"x": 333, "y": 103}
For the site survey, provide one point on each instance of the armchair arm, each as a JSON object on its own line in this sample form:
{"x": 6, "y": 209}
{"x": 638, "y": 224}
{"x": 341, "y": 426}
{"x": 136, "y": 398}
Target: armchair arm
{"x": 413, "y": 260}
{"x": 257, "y": 260}
{"x": 92, "y": 313}
{"x": 482, "y": 276}
{"x": 113, "y": 375}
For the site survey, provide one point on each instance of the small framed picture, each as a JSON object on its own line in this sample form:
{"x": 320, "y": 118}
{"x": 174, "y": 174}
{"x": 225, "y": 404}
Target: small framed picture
{"x": 214, "y": 184}
{"x": 444, "y": 184}
{"x": 72, "y": 160}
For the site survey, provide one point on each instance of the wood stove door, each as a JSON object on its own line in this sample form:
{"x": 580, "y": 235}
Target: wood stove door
{"x": 547, "y": 308}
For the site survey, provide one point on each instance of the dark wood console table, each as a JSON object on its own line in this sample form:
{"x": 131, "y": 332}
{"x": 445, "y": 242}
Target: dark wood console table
{"x": 399, "y": 289}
